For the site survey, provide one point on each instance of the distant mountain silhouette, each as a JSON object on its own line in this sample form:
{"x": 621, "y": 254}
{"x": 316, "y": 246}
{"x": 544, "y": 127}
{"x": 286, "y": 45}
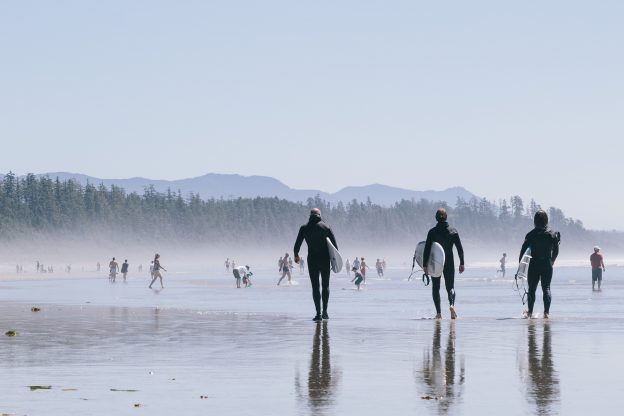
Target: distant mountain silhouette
{"x": 214, "y": 185}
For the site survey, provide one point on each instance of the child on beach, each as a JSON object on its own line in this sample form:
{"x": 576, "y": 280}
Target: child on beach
{"x": 358, "y": 277}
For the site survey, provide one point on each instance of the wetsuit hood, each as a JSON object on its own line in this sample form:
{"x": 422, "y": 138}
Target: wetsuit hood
{"x": 314, "y": 219}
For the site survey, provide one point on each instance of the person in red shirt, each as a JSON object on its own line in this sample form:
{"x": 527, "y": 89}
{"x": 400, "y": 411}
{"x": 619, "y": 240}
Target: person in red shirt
{"x": 597, "y": 265}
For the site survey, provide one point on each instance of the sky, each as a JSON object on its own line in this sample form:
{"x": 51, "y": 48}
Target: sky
{"x": 501, "y": 98}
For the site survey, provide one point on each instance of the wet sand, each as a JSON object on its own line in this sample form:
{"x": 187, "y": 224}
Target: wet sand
{"x": 255, "y": 351}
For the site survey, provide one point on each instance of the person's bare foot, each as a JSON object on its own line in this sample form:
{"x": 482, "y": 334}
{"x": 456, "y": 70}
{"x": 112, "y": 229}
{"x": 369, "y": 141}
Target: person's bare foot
{"x": 438, "y": 316}
{"x": 453, "y": 313}
{"x": 526, "y": 315}
{"x": 546, "y": 315}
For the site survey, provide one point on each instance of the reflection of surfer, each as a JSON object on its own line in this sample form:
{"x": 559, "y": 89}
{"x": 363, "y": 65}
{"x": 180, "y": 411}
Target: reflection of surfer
{"x": 439, "y": 372}
{"x": 502, "y": 261}
{"x": 284, "y": 267}
{"x": 322, "y": 380}
{"x": 544, "y": 385}
{"x": 544, "y": 244}
{"x": 315, "y": 234}
{"x": 446, "y": 237}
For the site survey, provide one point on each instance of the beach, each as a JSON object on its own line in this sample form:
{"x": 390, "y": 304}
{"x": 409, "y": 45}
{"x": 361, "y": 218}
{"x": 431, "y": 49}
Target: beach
{"x": 202, "y": 346}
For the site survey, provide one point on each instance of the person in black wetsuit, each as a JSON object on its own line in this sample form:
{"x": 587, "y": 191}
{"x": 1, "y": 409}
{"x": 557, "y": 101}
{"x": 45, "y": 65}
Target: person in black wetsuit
{"x": 315, "y": 233}
{"x": 446, "y": 237}
{"x": 544, "y": 244}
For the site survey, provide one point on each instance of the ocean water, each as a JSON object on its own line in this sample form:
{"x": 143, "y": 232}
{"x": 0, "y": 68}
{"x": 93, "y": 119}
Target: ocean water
{"x": 202, "y": 346}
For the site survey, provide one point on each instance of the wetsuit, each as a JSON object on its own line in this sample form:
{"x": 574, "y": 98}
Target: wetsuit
{"x": 446, "y": 237}
{"x": 315, "y": 233}
{"x": 544, "y": 244}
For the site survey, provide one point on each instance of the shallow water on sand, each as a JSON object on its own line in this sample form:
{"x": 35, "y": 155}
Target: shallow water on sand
{"x": 255, "y": 351}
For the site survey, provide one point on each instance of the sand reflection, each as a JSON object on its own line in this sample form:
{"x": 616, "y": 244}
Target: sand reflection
{"x": 542, "y": 380}
{"x": 322, "y": 380}
{"x": 441, "y": 376}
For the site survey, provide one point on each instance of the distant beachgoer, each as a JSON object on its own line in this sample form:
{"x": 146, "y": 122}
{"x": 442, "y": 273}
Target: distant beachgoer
{"x": 447, "y": 237}
{"x": 285, "y": 269}
{"x": 597, "y": 265}
{"x": 290, "y": 263}
{"x": 348, "y": 268}
{"x": 140, "y": 268}
{"x": 315, "y": 234}
{"x": 124, "y": 269}
{"x": 98, "y": 266}
{"x": 232, "y": 264}
{"x": 356, "y": 263}
{"x": 358, "y": 278}
{"x": 379, "y": 267}
{"x": 227, "y": 265}
{"x": 383, "y": 264}
{"x": 302, "y": 266}
{"x": 114, "y": 269}
{"x": 544, "y": 244}
{"x": 156, "y": 274}
{"x": 151, "y": 269}
{"x": 363, "y": 267}
{"x": 503, "y": 261}
{"x": 241, "y": 273}
{"x": 38, "y": 265}
{"x": 279, "y": 263}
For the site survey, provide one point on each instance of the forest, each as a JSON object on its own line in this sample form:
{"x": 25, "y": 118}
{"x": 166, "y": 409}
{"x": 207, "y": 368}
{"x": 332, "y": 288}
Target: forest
{"x": 31, "y": 206}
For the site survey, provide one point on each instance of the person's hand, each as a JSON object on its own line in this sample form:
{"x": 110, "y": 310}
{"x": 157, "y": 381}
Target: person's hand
{"x": 461, "y": 268}
{"x": 297, "y": 258}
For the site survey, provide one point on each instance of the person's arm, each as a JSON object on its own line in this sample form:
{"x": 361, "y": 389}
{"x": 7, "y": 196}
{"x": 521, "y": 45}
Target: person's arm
{"x": 460, "y": 252}
{"x": 427, "y": 251}
{"x": 298, "y": 243}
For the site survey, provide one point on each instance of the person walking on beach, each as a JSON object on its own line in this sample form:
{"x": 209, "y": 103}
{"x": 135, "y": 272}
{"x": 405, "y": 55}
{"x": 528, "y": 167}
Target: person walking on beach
{"x": 544, "y": 243}
{"x": 98, "y": 267}
{"x": 356, "y": 263}
{"x": 284, "y": 267}
{"x": 348, "y": 268}
{"x": 447, "y": 237}
{"x": 241, "y": 273}
{"x": 227, "y": 265}
{"x": 379, "y": 267}
{"x": 363, "y": 267}
{"x": 113, "y": 269}
{"x": 315, "y": 234}
{"x": 124, "y": 269}
{"x": 597, "y": 265}
{"x": 156, "y": 274}
{"x": 503, "y": 261}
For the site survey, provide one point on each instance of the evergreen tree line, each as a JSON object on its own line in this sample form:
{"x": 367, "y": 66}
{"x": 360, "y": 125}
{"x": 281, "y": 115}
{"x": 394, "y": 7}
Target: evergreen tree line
{"x": 31, "y": 206}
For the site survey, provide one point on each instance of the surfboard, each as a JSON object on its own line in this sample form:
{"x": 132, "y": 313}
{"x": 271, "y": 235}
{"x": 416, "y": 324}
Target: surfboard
{"x": 436, "y": 258}
{"x": 523, "y": 267}
{"x": 334, "y": 257}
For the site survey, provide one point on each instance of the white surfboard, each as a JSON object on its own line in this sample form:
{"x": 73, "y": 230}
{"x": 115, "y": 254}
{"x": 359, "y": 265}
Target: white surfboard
{"x": 435, "y": 268}
{"x": 334, "y": 257}
{"x": 523, "y": 267}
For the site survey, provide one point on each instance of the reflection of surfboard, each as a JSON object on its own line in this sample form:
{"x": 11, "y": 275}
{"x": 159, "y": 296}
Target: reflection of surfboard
{"x": 436, "y": 258}
{"x": 334, "y": 257}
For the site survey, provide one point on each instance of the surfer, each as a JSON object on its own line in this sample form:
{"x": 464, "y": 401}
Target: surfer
{"x": 156, "y": 274}
{"x": 284, "y": 267}
{"x": 113, "y": 268}
{"x": 446, "y": 236}
{"x": 315, "y": 233}
{"x": 124, "y": 269}
{"x": 597, "y": 265}
{"x": 544, "y": 243}
{"x": 503, "y": 261}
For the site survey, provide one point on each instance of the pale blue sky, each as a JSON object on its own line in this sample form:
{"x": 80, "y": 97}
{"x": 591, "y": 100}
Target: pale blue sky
{"x": 498, "y": 97}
